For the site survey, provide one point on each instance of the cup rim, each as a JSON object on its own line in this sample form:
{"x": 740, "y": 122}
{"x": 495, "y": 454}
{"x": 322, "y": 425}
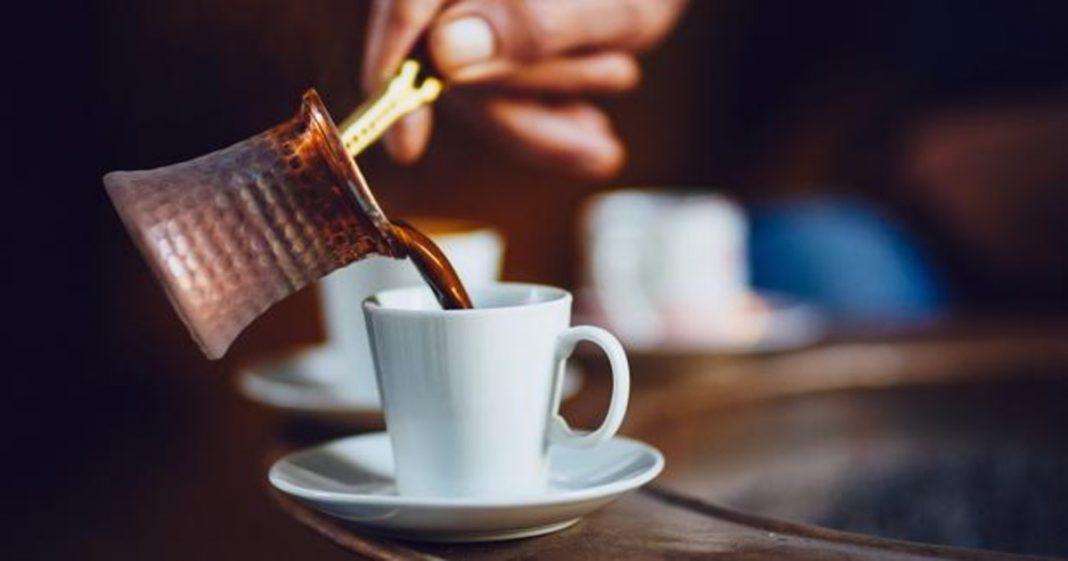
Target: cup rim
{"x": 672, "y": 191}
{"x": 452, "y": 227}
{"x": 560, "y": 295}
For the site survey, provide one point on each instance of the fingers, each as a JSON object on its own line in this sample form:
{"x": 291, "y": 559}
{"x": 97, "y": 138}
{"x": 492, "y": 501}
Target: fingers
{"x": 573, "y": 137}
{"x": 407, "y": 138}
{"x": 606, "y": 72}
{"x": 555, "y": 47}
{"x": 393, "y": 29}
{"x": 476, "y": 39}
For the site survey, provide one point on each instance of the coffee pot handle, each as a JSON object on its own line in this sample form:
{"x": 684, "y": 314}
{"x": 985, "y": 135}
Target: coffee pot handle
{"x": 559, "y": 431}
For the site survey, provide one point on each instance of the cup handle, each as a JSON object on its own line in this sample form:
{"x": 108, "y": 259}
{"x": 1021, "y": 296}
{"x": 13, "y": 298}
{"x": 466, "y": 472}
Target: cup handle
{"x": 559, "y": 431}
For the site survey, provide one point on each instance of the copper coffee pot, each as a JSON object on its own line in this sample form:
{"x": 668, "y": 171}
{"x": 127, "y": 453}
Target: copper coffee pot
{"x": 232, "y": 232}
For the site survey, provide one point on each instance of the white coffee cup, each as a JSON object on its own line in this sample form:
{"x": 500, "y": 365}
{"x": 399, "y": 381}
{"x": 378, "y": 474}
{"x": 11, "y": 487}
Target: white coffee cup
{"x": 471, "y": 397}
{"x": 475, "y": 251}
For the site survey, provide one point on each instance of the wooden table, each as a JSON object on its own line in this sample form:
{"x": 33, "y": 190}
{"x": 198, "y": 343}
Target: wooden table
{"x": 162, "y": 459}
{"x": 849, "y": 402}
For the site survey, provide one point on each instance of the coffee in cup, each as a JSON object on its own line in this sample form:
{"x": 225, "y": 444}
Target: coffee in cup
{"x": 476, "y": 252}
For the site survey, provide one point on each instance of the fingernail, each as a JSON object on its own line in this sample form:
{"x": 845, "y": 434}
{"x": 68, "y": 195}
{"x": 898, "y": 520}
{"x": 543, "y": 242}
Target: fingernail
{"x": 464, "y": 41}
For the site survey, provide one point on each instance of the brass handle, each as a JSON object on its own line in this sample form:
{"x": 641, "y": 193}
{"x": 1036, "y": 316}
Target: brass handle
{"x": 395, "y": 99}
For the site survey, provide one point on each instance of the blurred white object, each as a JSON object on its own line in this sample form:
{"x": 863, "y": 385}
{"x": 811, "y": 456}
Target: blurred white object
{"x": 666, "y": 265}
{"x": 669, "y": 270}
{"x": 476, "y": 252}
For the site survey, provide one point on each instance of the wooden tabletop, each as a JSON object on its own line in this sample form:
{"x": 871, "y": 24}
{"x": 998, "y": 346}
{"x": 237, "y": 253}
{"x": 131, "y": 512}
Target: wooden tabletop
{"x": 703, "y": 412}
{"x": 175, "y": 469}
{"x": 653, "y": 523}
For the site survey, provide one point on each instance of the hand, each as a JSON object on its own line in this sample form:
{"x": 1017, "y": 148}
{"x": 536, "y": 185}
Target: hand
{"x": 519, "y": 69}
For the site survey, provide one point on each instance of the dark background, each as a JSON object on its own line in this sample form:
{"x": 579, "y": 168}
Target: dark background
{"x": 114, "y": 416}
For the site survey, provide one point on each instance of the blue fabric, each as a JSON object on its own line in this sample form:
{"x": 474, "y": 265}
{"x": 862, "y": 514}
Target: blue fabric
{"x": 846, "y": 257}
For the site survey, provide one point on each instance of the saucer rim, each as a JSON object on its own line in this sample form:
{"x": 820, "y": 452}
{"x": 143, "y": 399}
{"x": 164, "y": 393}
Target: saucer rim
{"x": 779, "y": 306}
{"x": 259, "y": 372}
{"x": 548, "y": 498}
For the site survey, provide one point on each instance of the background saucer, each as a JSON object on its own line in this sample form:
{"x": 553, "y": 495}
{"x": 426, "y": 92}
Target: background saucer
{"x": 313, "y": 384}
{"x": 779, "y": 323}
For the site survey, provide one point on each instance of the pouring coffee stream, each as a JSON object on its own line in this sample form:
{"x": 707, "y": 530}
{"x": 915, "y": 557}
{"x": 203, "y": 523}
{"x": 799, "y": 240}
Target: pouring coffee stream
{"x": 231, "y": 233}
{"x": 433, "y": 266}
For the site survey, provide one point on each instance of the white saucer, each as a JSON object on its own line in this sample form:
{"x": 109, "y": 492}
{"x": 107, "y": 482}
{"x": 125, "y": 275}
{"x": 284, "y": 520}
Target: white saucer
{"x": 352, "y": 479}
{"x": 775, "y": 323}
{"x": 314, "y": 384}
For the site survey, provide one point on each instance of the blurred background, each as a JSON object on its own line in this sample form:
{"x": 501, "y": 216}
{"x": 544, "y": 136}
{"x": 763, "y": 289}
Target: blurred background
{"x": 918, "y": 149}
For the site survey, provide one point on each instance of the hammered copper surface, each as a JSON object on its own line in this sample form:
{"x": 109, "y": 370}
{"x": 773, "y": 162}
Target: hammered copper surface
{"x": 230, "y": 233}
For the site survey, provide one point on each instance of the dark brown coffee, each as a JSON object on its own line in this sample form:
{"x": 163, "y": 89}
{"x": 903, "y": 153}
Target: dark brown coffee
{"x": 433, "y": 266}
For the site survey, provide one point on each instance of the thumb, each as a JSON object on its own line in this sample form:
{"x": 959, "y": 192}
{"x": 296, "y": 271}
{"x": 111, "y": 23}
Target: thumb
{"x": 473, "y": 40}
